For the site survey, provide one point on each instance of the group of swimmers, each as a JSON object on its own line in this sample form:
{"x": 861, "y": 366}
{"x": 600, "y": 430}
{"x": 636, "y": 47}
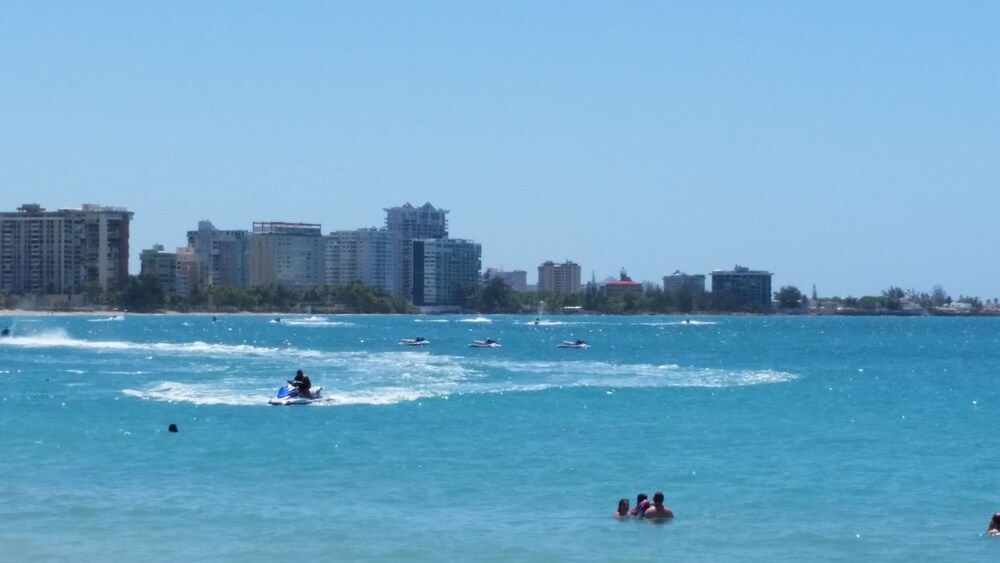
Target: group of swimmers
{"x": 655, "y": 510}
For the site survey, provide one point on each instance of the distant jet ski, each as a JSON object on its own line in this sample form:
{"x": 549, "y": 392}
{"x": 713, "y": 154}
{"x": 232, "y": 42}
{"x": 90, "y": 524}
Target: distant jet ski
{"x": 574, "y": 344}
{"x": 289, "y": 395}
{"x": 418, "y": 341}
{"x": 5, "y": 332}
{"x": 488, "y": 343}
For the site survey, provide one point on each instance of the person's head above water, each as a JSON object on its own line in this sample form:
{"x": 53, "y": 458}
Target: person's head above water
{"x": 623, "y": 506}
{"x": 658, "y": 497}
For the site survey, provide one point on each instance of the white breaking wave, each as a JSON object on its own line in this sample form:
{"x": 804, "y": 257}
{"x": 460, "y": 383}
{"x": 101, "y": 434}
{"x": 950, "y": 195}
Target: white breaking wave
{"x": 309, "y": 323}
{"x": 107, "y": 319}
{"x": 198, "y": 393}
{"x": 59, "y": 339}
{"x": 359, "y": 378}
{"x": 476, "y": 320}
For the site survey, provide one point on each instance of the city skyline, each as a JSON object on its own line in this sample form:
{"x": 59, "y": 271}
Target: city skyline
{"x": 850, "y": 146}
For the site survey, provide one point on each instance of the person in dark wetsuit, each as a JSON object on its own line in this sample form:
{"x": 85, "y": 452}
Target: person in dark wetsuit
{"x": 302, "y": 383}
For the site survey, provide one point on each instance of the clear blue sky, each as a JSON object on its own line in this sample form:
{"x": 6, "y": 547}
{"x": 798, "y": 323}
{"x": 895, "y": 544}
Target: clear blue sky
{"x": 851, "y": 145}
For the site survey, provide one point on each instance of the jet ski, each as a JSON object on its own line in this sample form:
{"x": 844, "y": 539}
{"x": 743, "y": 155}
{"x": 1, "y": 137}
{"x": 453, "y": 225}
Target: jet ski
{"x": 418, "y": 341}
{"x": 289, "y": 395}
{"x": 488, "y": 343}
{"x": 574, "y": 344}
{"x": 5, "y": 332}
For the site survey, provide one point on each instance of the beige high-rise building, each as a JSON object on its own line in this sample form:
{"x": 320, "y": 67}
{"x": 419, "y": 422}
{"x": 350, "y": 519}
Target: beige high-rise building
{"x": 287, "y": 254}
{"x": 64, "y": 251}
{"x": 369, "y": 256}
{"x": 561, "y": 278}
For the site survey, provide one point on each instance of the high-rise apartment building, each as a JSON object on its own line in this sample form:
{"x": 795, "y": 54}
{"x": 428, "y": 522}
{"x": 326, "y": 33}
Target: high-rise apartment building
{"x": 406, "y": 224}
{"x": 369, "y": 256}
{"x": 561, "y": 278}
{"x": 444, "y": 271}
{"x": 741, "y": 289}
{"x": 64, "y": 251}
{"x": 223, "y": 256}
{"x": 287, "y": 254}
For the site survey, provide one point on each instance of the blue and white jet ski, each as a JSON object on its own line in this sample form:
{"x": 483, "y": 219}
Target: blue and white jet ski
{"x": 579, "y": 344}
{"x": 289, "y": 395}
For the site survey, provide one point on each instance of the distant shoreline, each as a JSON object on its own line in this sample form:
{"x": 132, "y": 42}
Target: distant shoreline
{"x": 277, "y": 314}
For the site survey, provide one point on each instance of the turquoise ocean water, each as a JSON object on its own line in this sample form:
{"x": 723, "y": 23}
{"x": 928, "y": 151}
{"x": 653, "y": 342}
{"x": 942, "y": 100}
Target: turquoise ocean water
{"x": 773, "y": 438}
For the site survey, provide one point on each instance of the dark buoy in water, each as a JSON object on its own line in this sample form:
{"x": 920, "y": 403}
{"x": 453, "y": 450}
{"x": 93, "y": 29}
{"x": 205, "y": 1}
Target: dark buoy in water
{"x": 172, "y": 427}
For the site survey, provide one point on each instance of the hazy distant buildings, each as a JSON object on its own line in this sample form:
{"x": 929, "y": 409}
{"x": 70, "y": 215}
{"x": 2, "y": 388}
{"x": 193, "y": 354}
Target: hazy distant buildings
{"x": 444, "y": 271}
{"x": 188, "y": 271}
{"x": 516, "y": 279}
{"x": 161, "y": 265}
{"x": 684, "y": 283}
{"x": 223, "y": 256}
{"x": 369, "y": 256}
{"x": 623, "y": 286}
{"x": 64, "y": 251}
{"x": 561, "y": 278}
{"x": 287, "y": 254}
{"x": 406, "y": 224}
{"x": 741, "y": 289}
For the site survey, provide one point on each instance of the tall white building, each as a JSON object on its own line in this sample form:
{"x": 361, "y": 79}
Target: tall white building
{"x": 561, "y": 278}
{"x": 287, "y": 254}
{"x": 407, "y": 224}
{"x": 369, "y": 256}
{"x": 444, "y": 271}
{"x": 64, "y": 251}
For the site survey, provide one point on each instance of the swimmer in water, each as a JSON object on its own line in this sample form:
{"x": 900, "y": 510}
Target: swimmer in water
{"x": 658, "y": 511}
{"x": 622, "y": 511}
{"x": 994, "y": 528}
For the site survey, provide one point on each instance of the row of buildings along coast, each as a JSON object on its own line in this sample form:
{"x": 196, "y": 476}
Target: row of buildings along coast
{"x": 75, "y": 251}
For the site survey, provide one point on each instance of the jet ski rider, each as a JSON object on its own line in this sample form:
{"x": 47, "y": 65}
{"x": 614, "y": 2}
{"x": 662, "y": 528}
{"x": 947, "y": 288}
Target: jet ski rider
{"x": 302, "y": 383}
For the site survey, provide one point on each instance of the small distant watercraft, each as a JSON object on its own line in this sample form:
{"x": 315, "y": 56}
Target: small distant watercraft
{"x": 5, "y": 332}
{"x": 488, "y": 343}
{"x": 418, "y": 341}
{"x": 290, "y": 395}
{"x": 574, "y": 344}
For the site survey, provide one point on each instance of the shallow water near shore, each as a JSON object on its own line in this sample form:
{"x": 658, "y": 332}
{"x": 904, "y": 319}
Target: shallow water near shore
{"x": 773, "y": 438}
